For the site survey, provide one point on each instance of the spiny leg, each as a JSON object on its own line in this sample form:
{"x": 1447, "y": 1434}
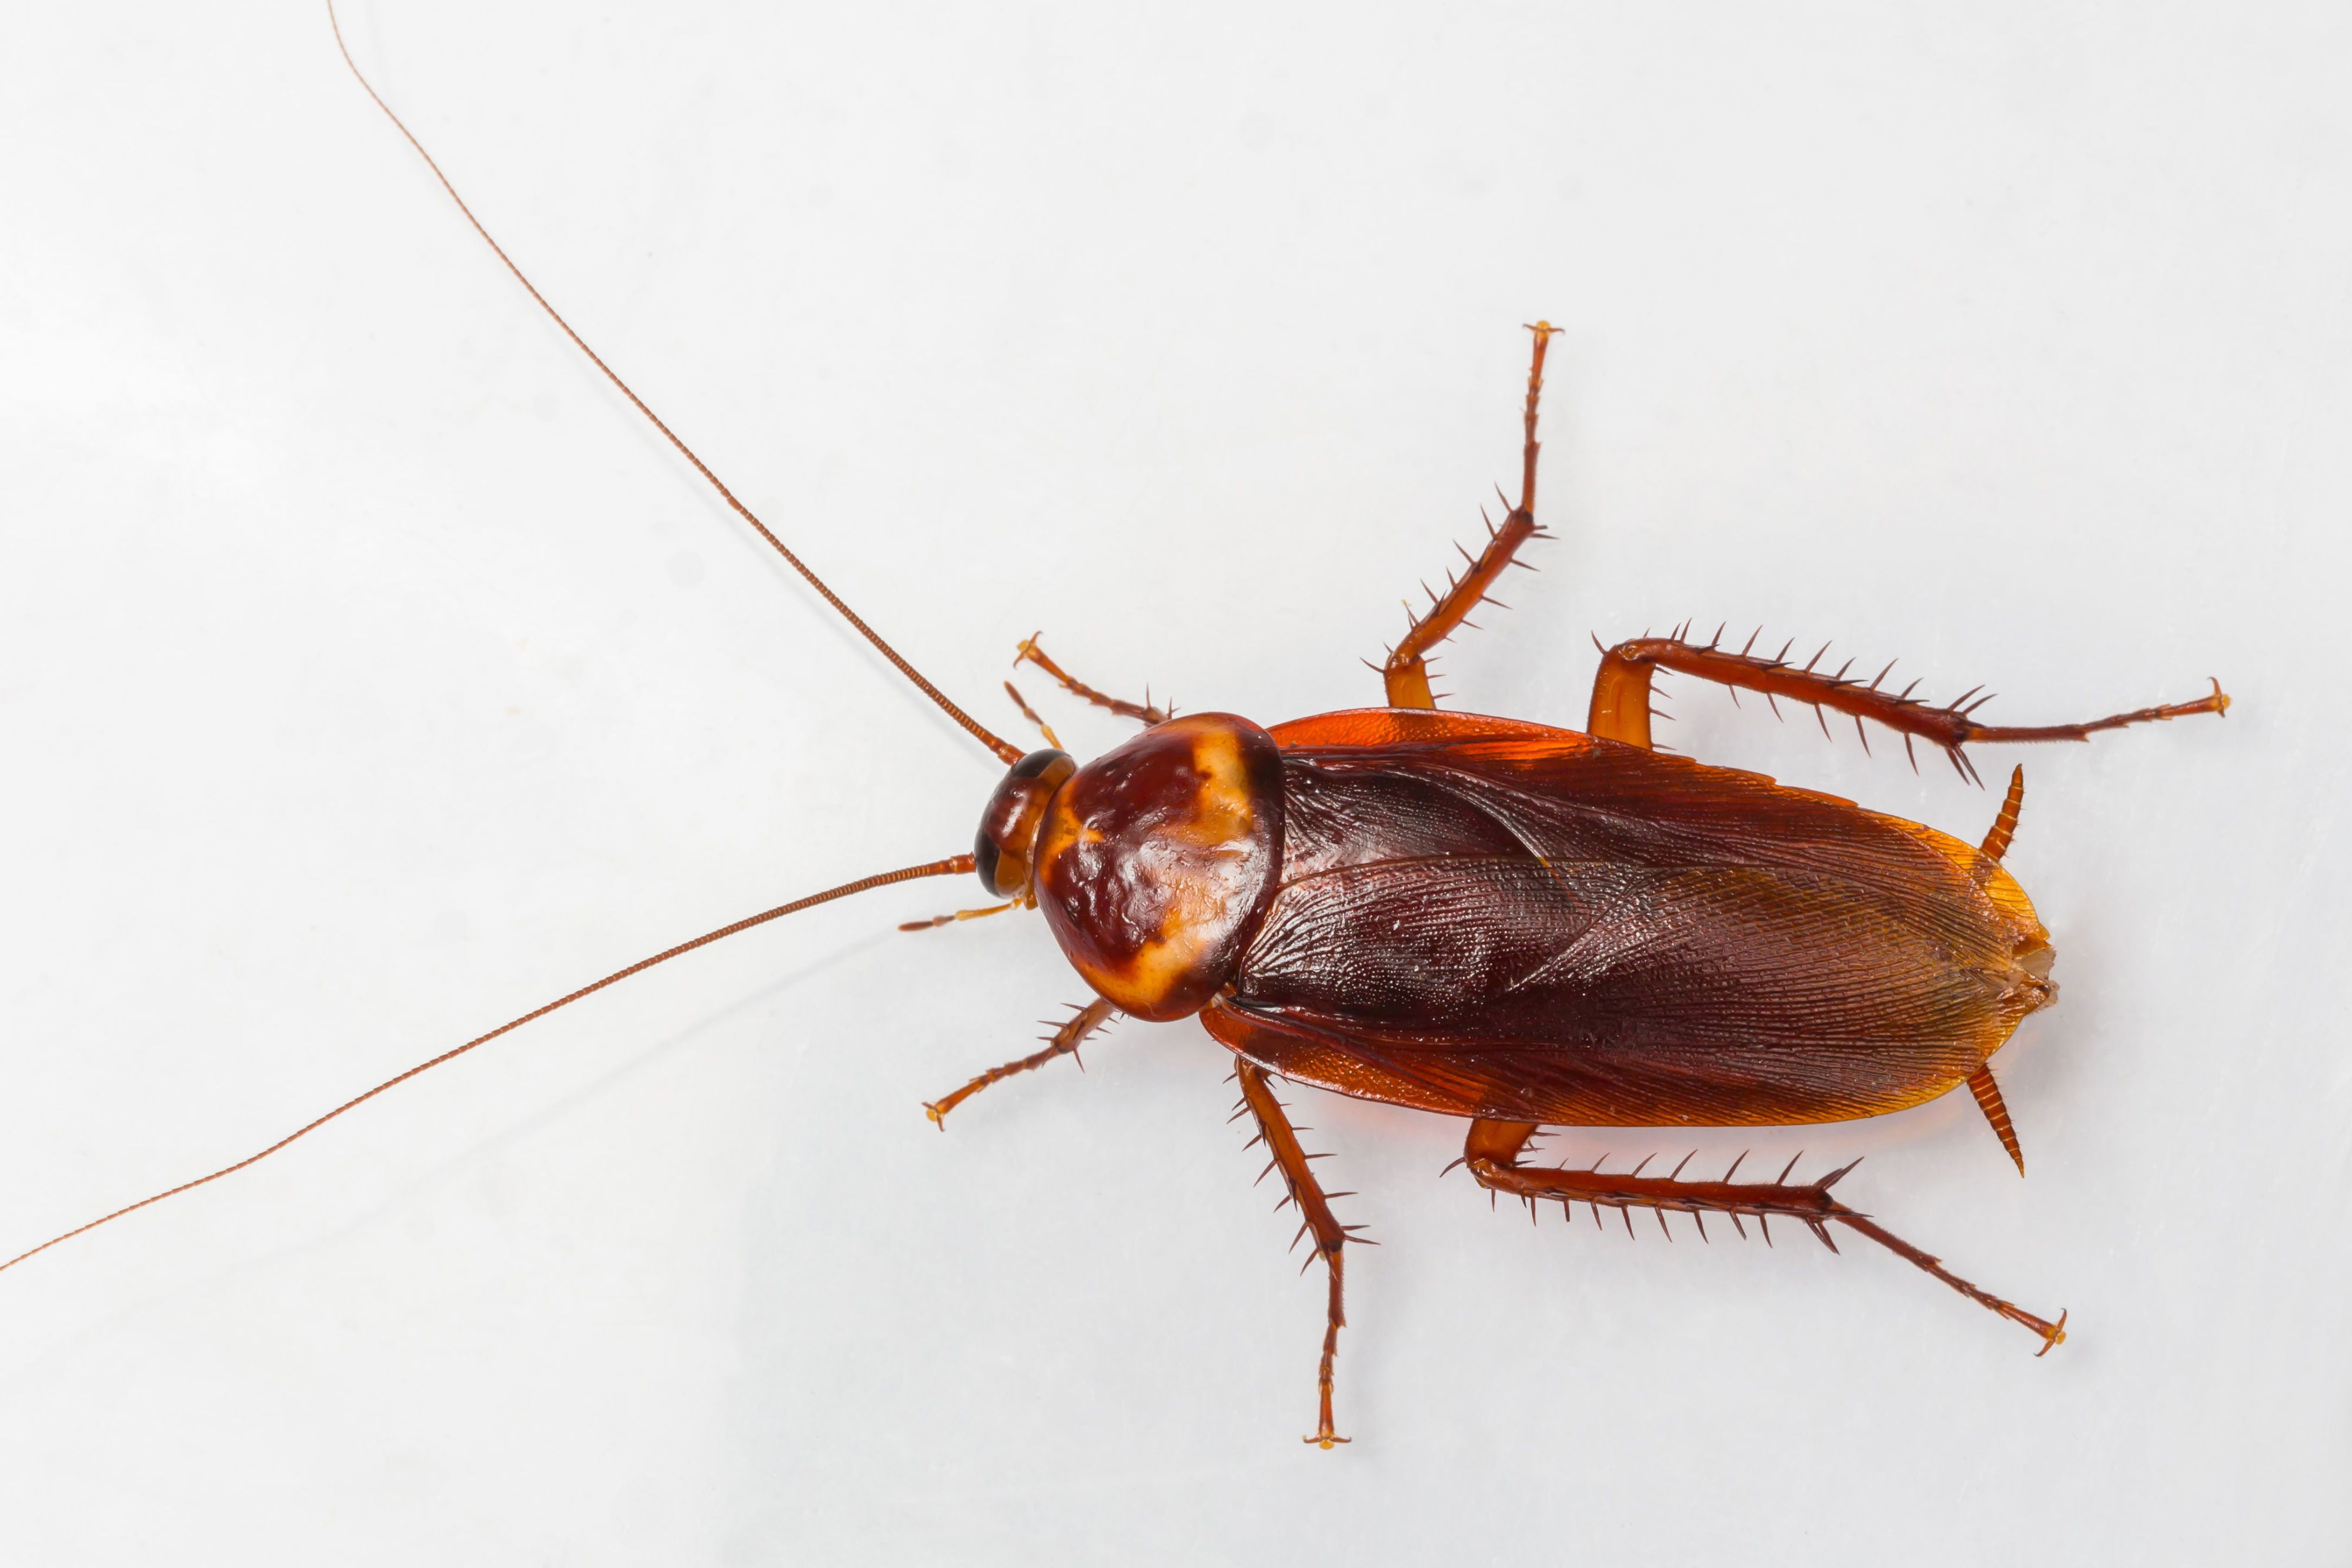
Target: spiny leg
{"x": 1063, "y": 1042}
{"x": 1492, "y": 1153}
{"x": 1030, "y": 652}
{"x": 1406, "y": 672}
{"x": 1621, "y": 698}
{"x": 1281, "y": 1140}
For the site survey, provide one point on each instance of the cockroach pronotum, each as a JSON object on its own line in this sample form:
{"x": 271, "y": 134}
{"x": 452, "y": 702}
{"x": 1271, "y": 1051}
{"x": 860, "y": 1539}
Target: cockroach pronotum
{"x": 1494, "y": 919}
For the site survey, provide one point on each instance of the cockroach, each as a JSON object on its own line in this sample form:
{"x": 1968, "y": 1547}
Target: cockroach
{"x": 1508, "y": 922}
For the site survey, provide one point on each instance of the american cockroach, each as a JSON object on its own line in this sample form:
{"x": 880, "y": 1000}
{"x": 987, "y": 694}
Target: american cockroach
{"x": 1488, "y": 918}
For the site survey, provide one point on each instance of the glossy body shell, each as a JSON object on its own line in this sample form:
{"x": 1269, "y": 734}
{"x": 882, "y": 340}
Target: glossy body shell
{"x": 1156, "y": 862}
{"x": 1489, "y": 917}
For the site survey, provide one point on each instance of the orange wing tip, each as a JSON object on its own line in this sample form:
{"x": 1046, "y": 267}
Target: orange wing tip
{"x": 2055, "y": 1337}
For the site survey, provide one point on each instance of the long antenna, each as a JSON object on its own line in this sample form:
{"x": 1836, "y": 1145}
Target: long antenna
{"x": 955, "y": 865}
{"x": 1004, "y": 751}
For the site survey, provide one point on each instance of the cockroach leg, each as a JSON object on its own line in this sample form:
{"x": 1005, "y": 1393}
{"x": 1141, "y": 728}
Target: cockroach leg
{"x": 1491, "y": 1150}
{"x": 1063, "y": 1042}
{"x": 1274, "y": 1131}
{"x": 1621, "y": 698}
{"x": 1030, "y": 652}
{"x": 1406, "y": 671}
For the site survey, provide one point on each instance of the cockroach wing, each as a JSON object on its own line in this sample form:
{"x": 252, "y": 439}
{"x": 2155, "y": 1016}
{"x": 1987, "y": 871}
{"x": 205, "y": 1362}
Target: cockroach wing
{"x": 1484, "y": 916}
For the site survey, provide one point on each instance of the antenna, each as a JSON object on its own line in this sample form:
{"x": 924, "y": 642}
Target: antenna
{"x": 1005, "y": 751}
{"x": 956, "y": 865}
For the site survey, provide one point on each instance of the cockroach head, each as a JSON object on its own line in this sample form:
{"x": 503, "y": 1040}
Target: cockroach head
{"x": 1008, "y": 828}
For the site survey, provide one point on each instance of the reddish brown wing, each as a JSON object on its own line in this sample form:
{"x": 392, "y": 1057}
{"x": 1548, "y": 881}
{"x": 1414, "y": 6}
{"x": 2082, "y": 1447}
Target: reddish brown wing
{"x": 1484, "y": 916}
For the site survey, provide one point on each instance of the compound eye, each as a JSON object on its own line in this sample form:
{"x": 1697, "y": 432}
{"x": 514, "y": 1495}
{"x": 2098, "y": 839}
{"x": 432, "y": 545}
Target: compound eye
{"x": 1008, "y": 828}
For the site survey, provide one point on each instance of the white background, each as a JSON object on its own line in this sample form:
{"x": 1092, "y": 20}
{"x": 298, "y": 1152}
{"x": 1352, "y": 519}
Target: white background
{"x": 368, "y": 675}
